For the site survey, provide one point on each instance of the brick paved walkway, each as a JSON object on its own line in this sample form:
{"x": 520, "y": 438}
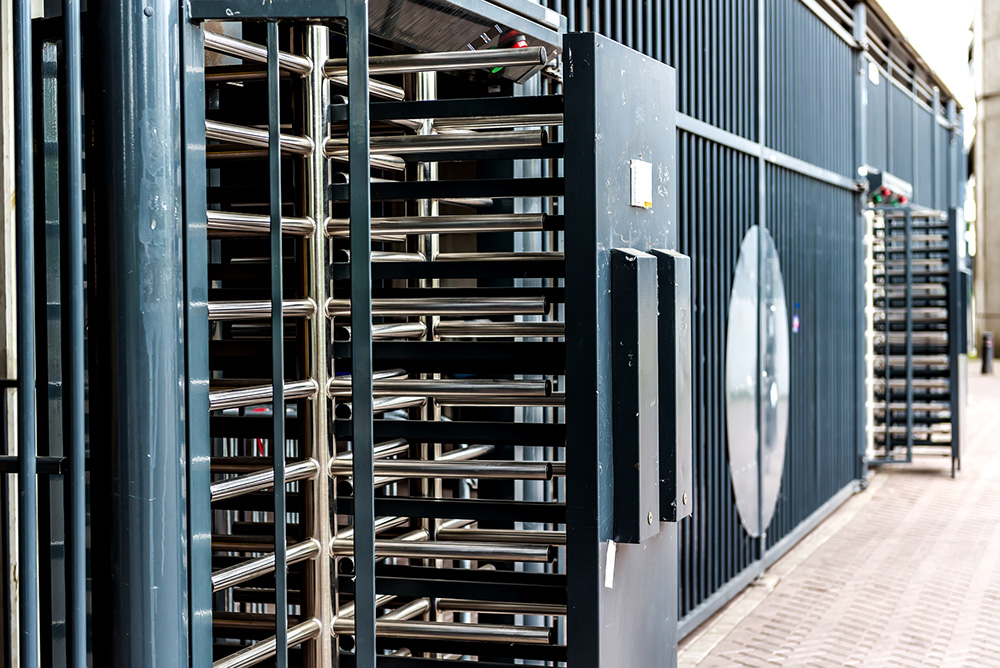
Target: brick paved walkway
{"x": 906, "y": 573}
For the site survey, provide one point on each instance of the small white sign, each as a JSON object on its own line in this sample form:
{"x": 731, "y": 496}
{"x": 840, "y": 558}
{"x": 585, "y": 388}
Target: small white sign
{"x": 642, "y": 184}
{"x": 609, "y": 566}
{"x": 873, "y": 73}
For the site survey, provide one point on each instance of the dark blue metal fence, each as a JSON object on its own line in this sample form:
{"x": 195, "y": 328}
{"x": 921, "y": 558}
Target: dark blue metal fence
{"x": 789, "y": 71}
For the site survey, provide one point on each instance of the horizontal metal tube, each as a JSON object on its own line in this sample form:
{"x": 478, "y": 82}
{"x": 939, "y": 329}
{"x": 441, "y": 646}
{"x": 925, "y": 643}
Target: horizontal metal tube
{"x": 344, "y": 255}
{"x": 378, "y": 161}
{"x": 242, "y": 134}
{"x": 451, "y": 550}
{"x": 554, "y": 399}
{"x": 381, "y": 524}
{"x": 518, "y": 635}
{"x": 448, "y": 387}
{"x": 501, "y": 607}
{"x": 488, "y": 222}
{"x": 382, "y": 450}
{"x": 495, "y": 470}
{"x": 501, "y": 256}
{"x": 238, "y": 397}
{"x": 390, "y": 330}
{"x": 459, "y": 454}
{"x": 444, "y": 61}
{"x": 495, "y": 122}
{"x": 347, "y": 610}
{"x": 408, "y": 611}
{"x": 502, "y": 536}
{"x": 918, "y": 383}
{"x": 265, "y": 649}
{"x": 229, "y": 223}
{"x": 344, "y": 410}
{"x": 233, "y": 46}
{"x": 255, "y": 482}
{"x": 259, "y": 309}
{"x": 486, "y": 329}
{"x": 248, "y": 570}
{"x": 379, "y": 89}
{"x": 448, "y": 143}
{"x": 384, "y": 374}
{"x": 445, "y": 306}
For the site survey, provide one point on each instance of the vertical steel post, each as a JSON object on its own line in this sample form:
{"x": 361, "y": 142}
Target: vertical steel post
{"x": 318, "y": 520}
{"x": 908, "y": 234}
{"x": 362, "y": 438}
{"x": 952, "y": 199}
{"x": 196, "y": 320}
{"x": 73, "y": 341}
{"x": 762, "y": 223}
{"x": 27, "y": 445}
{"x": 935, "y": 149}
{"x": 277, "y": 350}
{"x": 860, "y": 229}
{"x": 137, "y": 180}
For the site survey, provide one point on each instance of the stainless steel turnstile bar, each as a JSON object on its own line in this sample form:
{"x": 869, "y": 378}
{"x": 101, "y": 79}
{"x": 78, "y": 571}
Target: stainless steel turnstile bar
{"x": 447, "y": 387}
{"x": 501, "y": 607}
{"x": 502, "y": 256}
{"x": 345, "y": 409}
{"x": 482, "y": 469}
{"x": 259, "y": 309}
{"x": 446, "y": 306}
{"x": 228, "y": 223}
{"x": 265, "y": 649}
{"x": 237, "y": 397}
{"x": 534, "y": 537}
{"x": 253, "y": 568}
{"x": 465, "y": 329}
{"x": 261, "y": 480}
{"x": 465, "y": 123}
{"x": 487, "y": 222}
{"x": 508, "y": 634}
{"x": 336, "y": 147}
{"x": 390, "y": 330}
{"x": 242, "y": 134}
{"x": 239, "y": 48}
{"x": 451, "y": 550}
{"x": 443, "y": 61}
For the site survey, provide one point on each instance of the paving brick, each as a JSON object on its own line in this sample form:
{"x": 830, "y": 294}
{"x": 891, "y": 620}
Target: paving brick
{"x": 911, "y": 580}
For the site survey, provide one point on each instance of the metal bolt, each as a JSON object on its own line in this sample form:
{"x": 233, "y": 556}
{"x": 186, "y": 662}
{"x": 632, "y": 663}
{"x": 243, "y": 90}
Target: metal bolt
{"x": 649, "y": 518}
{"x": 148, "y": 11}
{"x": 685, "y": 499}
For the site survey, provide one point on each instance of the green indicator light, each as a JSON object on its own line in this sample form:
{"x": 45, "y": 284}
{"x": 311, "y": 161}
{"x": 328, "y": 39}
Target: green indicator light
{"x": 495, "y": 70}
{"x": 877, "y": 199}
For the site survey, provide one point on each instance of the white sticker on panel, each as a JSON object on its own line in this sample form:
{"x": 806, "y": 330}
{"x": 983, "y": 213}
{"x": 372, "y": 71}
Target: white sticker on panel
{"x": 642, "y": 184}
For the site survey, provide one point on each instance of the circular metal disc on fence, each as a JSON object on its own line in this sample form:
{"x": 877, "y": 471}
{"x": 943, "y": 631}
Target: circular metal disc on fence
{"x": 757, "y": 491}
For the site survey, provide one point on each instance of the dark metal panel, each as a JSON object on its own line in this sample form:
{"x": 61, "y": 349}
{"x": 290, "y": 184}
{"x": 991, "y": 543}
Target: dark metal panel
{"x": 141, "y": 398}
{"x": 901, "y": 134}
{"x": 809, "y": 68}
{"x": 600, "y": 144}
{"x": 196, "y": 321}
{"x": 361, "y": 330}
{"x": 676, "y": 409}
{"x": 27, "y": 444}
{"x": 875, "y": 118}
{"x": 717, "y": 205}
{"x": 635, "y": 402}
{"x": 73, "y": 340}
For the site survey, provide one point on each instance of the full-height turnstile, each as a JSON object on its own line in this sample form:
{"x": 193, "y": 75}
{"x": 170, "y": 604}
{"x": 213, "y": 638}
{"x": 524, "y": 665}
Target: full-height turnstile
{"x": 916, "y": 325}
{"x": 456, "y": 279}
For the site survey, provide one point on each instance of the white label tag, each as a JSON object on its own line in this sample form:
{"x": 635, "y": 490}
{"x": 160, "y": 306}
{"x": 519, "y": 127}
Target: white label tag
{"x": 873, "y": 73}
{"x": 642, "y": 184}
{"x": 609, "y": 568}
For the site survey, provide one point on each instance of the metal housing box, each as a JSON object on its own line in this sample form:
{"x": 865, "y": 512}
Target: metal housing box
{"x": 620, "y": 107}
{"x": 635, "y": 437}
{"x": 674, "y": 332}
